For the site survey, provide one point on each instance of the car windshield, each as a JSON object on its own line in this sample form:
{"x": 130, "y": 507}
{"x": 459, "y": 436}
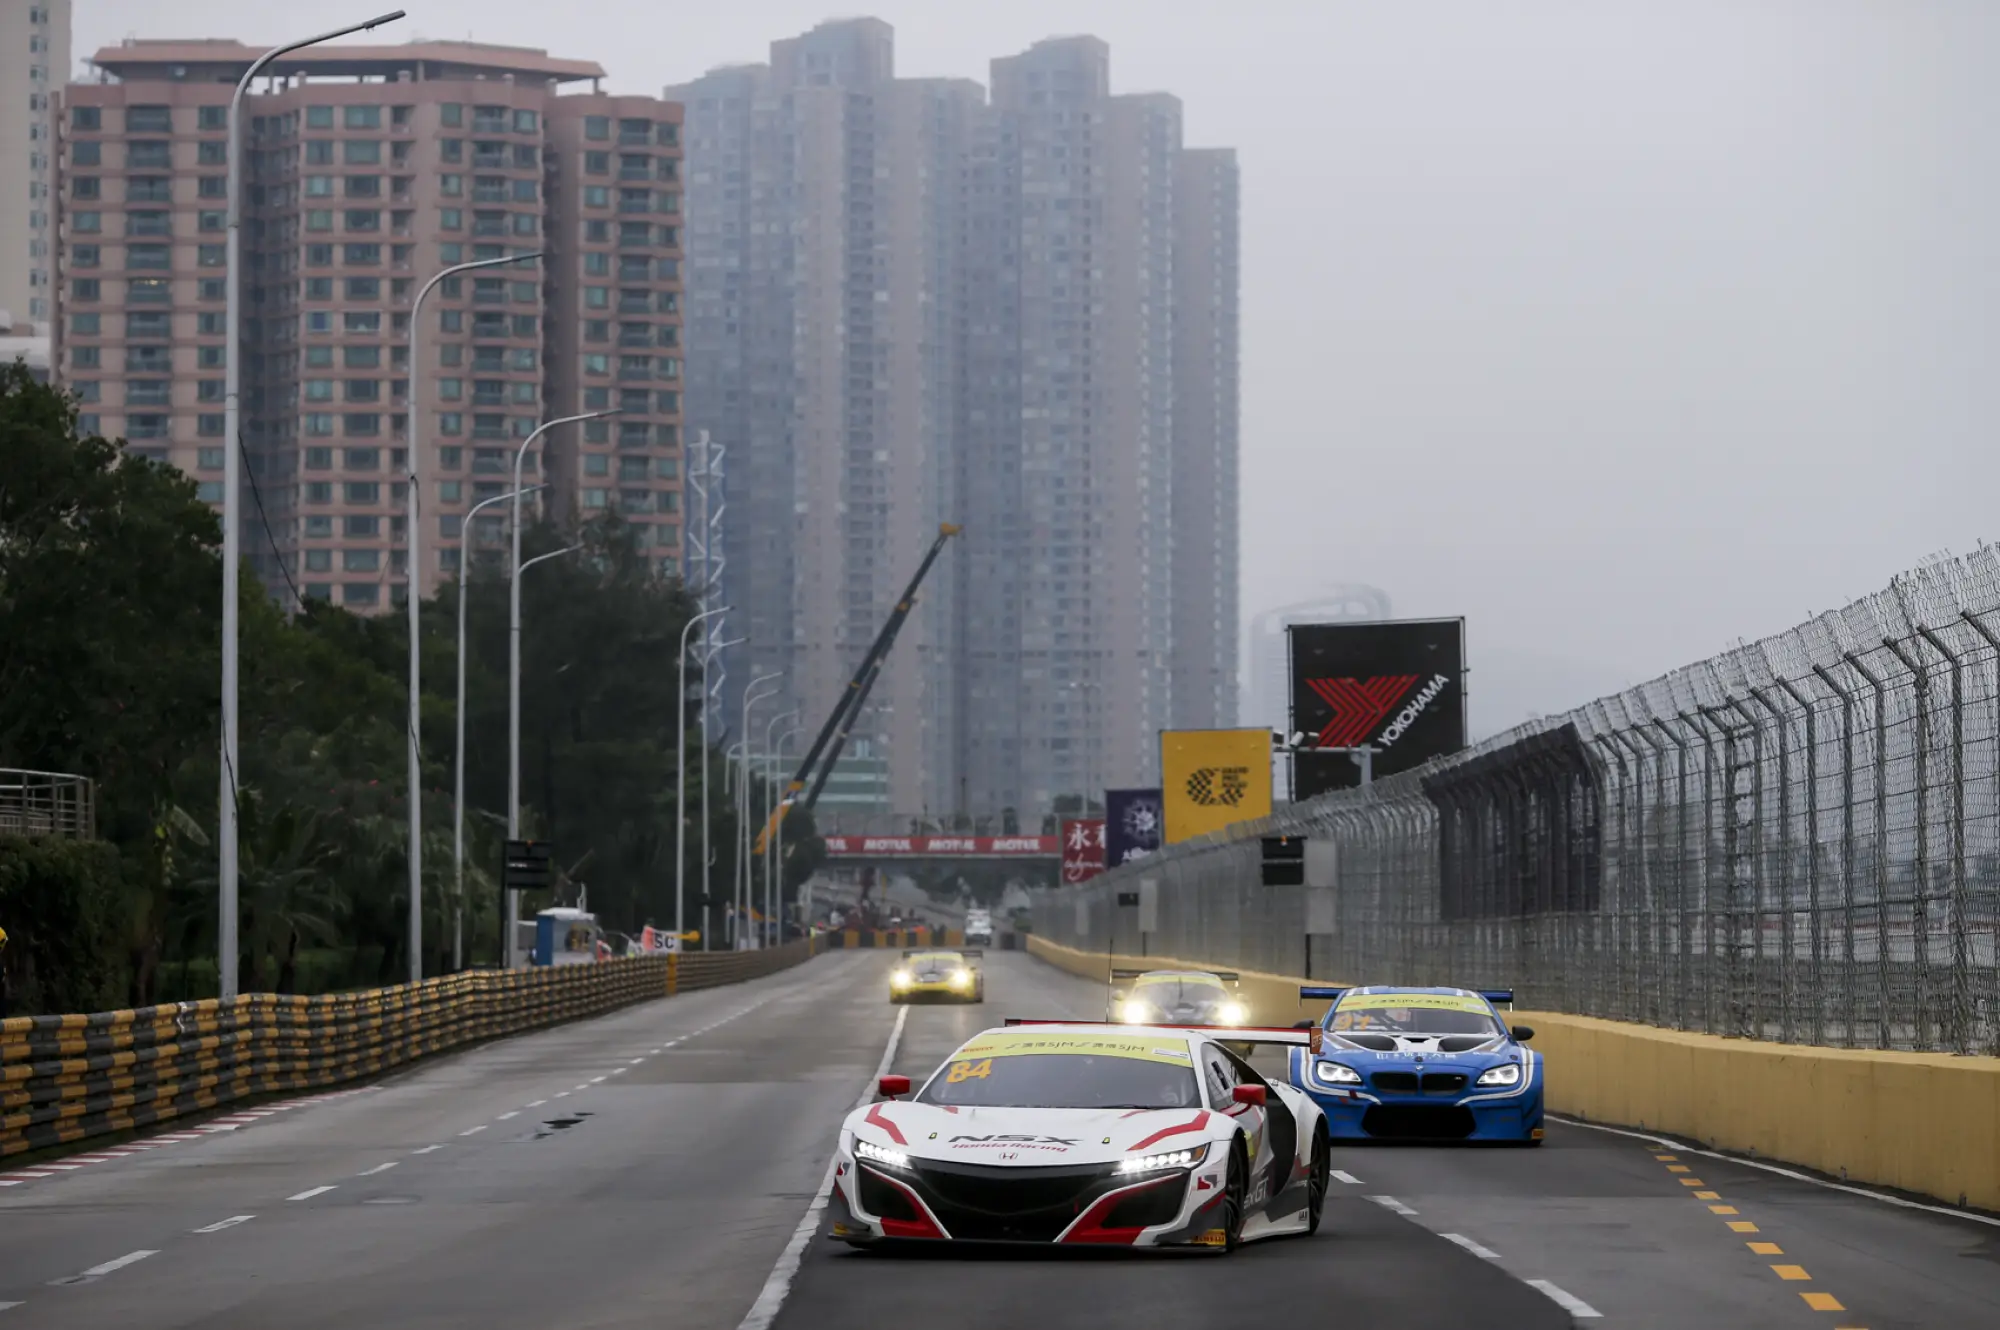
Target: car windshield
{"x": 1412, "y": 1013}
{"x": 935, "y": 960}
{"x": 1177, "y": 991}
{"x": 1062, "y": 1080}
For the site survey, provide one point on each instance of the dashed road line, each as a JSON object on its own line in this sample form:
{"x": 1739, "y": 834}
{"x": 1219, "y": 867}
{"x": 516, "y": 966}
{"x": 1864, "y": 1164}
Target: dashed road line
{"x": 538, "y": 1103}
{"x": 99, "y": 1271}
{"x": 1347, "y": 1178}
{"x": 6, "y": 1305}
{"x": 514, "y": 1113}
{"x": 427, "y": 1149}
{"x": 1391, "y": 1203}
{"x": 379, "y": 1168}
{"x": 473, "y": 1131}
{"x": 1569, "y": 1302}
{"x": 311, "y": 1192}
{"x": 1483, "y": 1253}
{"x": 230, "y": 1222}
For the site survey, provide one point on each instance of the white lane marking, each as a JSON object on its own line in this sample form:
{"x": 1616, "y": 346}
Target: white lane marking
{"x": 10, "y": 1182}
{"x": 1569, "y": 1302}
{"x": 596, "y": 1080}
{"x": 1347, "y": 1178}
{"x": 504, "y": 1116}
{"x": 379, "y": 1168}
{"x": 635, "y": 1062}
{"x": 772, "y": 1297}
{"x": 230, "y": 1222}
{"x": 5, "y": 1305}
{"x": 617, "y": 1071}
{"x": 473, "y": 1131}
{"x": 538, "y": 1103}
{"x": 562, "y": 1094}
{"x": 574, "y": 1088}
{"x": 427, "y": 1149}
{"x": 311, "y": 1192}
{"x": 129, "y": 1258}
{"x": 1483, "y": 1253}
{"x": 64, "y": 1167}
{"x": 1391, "y": 1203}
{"x": 651, "y": 1051}
{"x": 1669, "y": 1143}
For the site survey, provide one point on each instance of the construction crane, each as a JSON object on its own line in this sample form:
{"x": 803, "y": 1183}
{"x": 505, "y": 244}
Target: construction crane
{"x": 847, "y": 710}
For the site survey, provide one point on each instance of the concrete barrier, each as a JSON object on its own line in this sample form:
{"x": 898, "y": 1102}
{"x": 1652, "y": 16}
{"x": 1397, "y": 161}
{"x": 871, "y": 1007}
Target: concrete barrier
{"x": 1925, "y": 1123}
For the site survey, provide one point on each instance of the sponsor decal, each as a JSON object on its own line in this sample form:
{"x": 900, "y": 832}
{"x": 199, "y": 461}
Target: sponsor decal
{"x": 1395, "y": 686}
{"x": 853, "y": 847}
{"x": 1407, "y": 1001}
{"x": 986, "y": 1047}
{"x": 1083, "y": 849}
{"x": 1133, "y": 823}
{"x": 1214, "y": 1237}
{"x": 1211, "y": 779}
{"x": 1021, "y": 1140}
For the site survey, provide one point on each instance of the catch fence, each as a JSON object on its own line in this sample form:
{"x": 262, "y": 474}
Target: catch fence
{"x": 1797, "y": 840}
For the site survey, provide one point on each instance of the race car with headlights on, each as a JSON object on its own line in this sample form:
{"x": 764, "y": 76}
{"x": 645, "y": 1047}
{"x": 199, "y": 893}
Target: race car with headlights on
{"x": 1175, "y": 997}
{"x": 1421, "y": 1064}
{"x": 1081, "y": 1133}
{"x": 930, "y": 975}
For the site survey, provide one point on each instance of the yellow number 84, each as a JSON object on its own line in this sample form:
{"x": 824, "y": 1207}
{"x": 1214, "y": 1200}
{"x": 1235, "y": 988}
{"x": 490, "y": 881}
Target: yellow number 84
{"x": 969, "y": 1071}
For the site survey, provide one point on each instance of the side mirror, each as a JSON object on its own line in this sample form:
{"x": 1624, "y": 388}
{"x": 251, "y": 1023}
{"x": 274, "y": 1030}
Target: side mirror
{"x": 1252, "y": 1095}
{"x": 1522, "y": 1033}
{"x": 892, "y": 1087}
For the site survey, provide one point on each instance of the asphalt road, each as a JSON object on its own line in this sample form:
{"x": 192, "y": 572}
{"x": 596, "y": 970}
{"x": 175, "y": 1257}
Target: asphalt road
{"x": 651, "y": 1167}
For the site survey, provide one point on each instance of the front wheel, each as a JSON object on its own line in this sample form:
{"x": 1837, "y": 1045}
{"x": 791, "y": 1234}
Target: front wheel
{"x": 1317, "y": 1177}
{"x": 1235, "y": 1185}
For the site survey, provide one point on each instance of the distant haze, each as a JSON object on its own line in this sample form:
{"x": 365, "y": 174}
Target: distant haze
{"x": 1623, "y": 329}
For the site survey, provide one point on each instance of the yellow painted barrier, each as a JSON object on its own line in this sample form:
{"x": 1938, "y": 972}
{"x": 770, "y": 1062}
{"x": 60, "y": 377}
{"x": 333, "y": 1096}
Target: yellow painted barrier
{"x": 1927, "y": 1123}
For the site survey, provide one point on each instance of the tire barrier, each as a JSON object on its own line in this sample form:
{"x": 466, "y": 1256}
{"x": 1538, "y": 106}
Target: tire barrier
{"x": 65, "y": 1079}
{"x": 897, "y": 938}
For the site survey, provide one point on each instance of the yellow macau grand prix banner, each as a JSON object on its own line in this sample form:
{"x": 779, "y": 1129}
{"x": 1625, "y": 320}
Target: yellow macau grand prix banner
{"x": 1211, "y": 779}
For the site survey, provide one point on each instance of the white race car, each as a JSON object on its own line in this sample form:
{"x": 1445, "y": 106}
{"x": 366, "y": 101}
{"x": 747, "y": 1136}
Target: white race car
{"x": 1080, "y": 1132}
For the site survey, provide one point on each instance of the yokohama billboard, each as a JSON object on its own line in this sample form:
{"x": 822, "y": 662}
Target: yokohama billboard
{"x": 1396, "y": 686}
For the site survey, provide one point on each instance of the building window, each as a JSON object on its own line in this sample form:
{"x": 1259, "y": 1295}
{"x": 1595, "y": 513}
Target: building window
{"x": 451, "y": 186}
{"x": 148, "y": 120}
{"x": 212, "y": 256}
{"x": 596, "y": 196}
{"x": 364, "y": 390}
{"x": 212, "y": 118}
{"x": 89, "y": 426}
{"x": 319, "y": 186}
{"x": 212, "y": 152}
{"x": 593, "y": 498}
{"x": 86, "y": 223}
{"x": 451, "y": 150}
{"x": 362, "y": 425}
{"x": 360, "y": 593}
{"x": 209, "y": 491}
{"x": 360, "y": 561}
{"x": 363, "y": 219}
{"x": 318, "y": 424}
{"x": 319, "y": 561}
{"x": 319, "y": 459}
{"x": 319, "y": 117}
{"x": 364, "y": 186}
{"x": 319, "y": 219}
{"x": 361, "y": 152}
{"x": 208, "y": 459}
{"x": 362, "y": 527}
{"x": 526, "y": 122}
{"x": 86, "y": 118}
{"x": 148, "y": 155}
{"x": 364, "y": 116}
{"x": 211, "y": 426}
{"x": 363, "y": 256}
{"x": 83, "y": 256}
{"x": 84, "y": 288}
{"x": 363, "y": 492}
{"x": 211, "y": 221}
{"x": 596, "y": 464}
{"x": 208, "y": 390}
{"x": 213, "y": 187}
{"x": 597, "y": 128}
{"x": 86, "y": 152}
{"x": 319, "y": 152}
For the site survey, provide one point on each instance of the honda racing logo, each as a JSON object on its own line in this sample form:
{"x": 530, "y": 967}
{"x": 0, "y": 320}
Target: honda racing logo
{"x": 1357, "y": 705}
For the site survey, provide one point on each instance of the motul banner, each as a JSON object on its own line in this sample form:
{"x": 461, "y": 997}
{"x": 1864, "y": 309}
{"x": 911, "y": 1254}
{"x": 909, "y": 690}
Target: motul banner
{"x": 911, "y": 847}
{"x": 1082, "y": 849}
{"x": 1131, "y": 825}
{"x": 1211, "y": 779}
{"x": 1396, "y": 686}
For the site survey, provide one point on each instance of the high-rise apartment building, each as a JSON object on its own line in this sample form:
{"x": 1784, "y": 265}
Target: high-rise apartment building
{"x": 369, "y": 169}
{"x": 34, "y": 63}
{"x": 910, "y": 303}
{"x": 823, "y": 321}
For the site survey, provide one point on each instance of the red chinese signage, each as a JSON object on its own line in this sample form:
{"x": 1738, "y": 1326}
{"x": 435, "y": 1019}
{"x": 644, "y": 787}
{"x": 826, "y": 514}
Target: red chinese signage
{"x": 914, "y": 847}
{"x": 1082, "y": 849}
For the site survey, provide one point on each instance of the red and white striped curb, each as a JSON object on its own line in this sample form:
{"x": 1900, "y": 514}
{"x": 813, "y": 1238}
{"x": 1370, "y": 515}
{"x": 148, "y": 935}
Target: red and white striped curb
{"x": 213, "y": 1127}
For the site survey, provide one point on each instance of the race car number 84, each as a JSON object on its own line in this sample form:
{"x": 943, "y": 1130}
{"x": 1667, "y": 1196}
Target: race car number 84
{"x": 969, "y": 1071}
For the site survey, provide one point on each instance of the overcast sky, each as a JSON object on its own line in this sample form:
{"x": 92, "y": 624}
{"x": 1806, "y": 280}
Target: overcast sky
{"x": 1623, "y": 329}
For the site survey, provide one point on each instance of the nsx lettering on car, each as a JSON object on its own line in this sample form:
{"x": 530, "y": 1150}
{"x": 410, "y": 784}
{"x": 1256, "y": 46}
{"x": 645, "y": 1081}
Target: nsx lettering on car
{"x": 1023, "y": 1140}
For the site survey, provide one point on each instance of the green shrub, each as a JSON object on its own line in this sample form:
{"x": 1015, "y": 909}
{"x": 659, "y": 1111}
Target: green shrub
{"x": 60, "y": 902}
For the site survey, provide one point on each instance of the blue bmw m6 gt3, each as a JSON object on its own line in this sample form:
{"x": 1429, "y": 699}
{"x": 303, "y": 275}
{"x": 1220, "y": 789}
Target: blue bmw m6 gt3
{"x": 1435, "y": 1064}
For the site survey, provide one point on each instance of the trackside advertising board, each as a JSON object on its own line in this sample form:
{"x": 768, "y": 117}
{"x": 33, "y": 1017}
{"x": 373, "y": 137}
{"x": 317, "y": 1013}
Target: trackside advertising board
{"x": 1397, "y": 686}
{"x": 1131, "y": 825}
{"x": 1211, "y": 779}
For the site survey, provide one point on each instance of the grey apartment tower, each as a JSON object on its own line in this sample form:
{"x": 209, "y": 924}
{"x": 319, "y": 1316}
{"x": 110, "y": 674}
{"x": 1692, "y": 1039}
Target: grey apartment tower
{"x": 909, "y": 302}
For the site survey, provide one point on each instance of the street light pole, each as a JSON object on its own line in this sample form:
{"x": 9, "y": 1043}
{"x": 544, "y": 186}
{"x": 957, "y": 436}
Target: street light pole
{"x": 458, "y": 762}
{"x": 514, "y": 662}
{"x": 680, "y": 770}
{"x": 707, "y": 753}
{"x": 750, "y": 699}
{"x": 770, "y": 763}
{"x": 232, "y": 484}
{"x": 413, "y": 593}
{"x": 774, "y": 862}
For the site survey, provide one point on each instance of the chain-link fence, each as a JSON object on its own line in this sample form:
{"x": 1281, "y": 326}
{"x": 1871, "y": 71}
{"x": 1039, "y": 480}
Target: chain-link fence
{"x": 1797, "y": 840}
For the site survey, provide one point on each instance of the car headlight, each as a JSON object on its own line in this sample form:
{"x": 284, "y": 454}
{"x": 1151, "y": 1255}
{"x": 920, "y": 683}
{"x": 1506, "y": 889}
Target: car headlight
{"x": 1507, "y": 1073}
{"x": 900, "y": 979}
{"x": 961, "y": 978}
{"x": 1333, "y": 1073}
{"x": 1167, "y": 1159}
{"x": 1135, "y": 1012}
{"x": 1232, "y": 1013}
{"x": 876, "y": 1154}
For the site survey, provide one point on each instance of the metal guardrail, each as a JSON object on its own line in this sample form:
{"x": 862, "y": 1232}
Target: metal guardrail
{"x": 1797, "y": 840}
{"x": 47, "y": 803}
{"x": 70, "y": 1078}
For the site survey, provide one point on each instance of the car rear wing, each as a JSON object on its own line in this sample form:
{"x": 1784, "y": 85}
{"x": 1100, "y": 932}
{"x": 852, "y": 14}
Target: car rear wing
{"x": 1497, "y": 996}
{"x": 1226, "y": 976}
{"x": 1234, "y": 1034}
{"x": 956, "y": 951}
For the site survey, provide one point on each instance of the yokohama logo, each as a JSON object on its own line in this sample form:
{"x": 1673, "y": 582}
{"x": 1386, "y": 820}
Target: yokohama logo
{"x": 1358, "y": 705}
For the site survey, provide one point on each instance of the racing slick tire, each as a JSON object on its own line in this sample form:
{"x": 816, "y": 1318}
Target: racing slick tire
{"x": 1318, "y": 1174}
{"x": 1235, "y": 1185}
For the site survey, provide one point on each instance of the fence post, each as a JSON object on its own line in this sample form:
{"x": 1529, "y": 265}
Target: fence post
{"x": 1964, "y": 1016}
{"x": 1885, "y": 991}
{"x": 1992, "y": 640}
{"x": 1815, "y": 978}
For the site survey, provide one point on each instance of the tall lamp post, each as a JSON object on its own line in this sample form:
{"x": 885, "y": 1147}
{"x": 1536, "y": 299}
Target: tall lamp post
{"x": 514, "y": 731}
{"x": 458, "y": 762}
{"x": 413, "y": 595}
{"x": 708, "y": 855}
{"x": 774, "y": 849}
{"x": 750, "y": 699}
{"x": 764, "y": 814}
{"x": 680, "y": 769}
{"x": 232, "y": 483}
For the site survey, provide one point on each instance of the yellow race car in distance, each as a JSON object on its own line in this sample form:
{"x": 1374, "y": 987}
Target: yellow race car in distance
{"x": 933, "y": 975}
